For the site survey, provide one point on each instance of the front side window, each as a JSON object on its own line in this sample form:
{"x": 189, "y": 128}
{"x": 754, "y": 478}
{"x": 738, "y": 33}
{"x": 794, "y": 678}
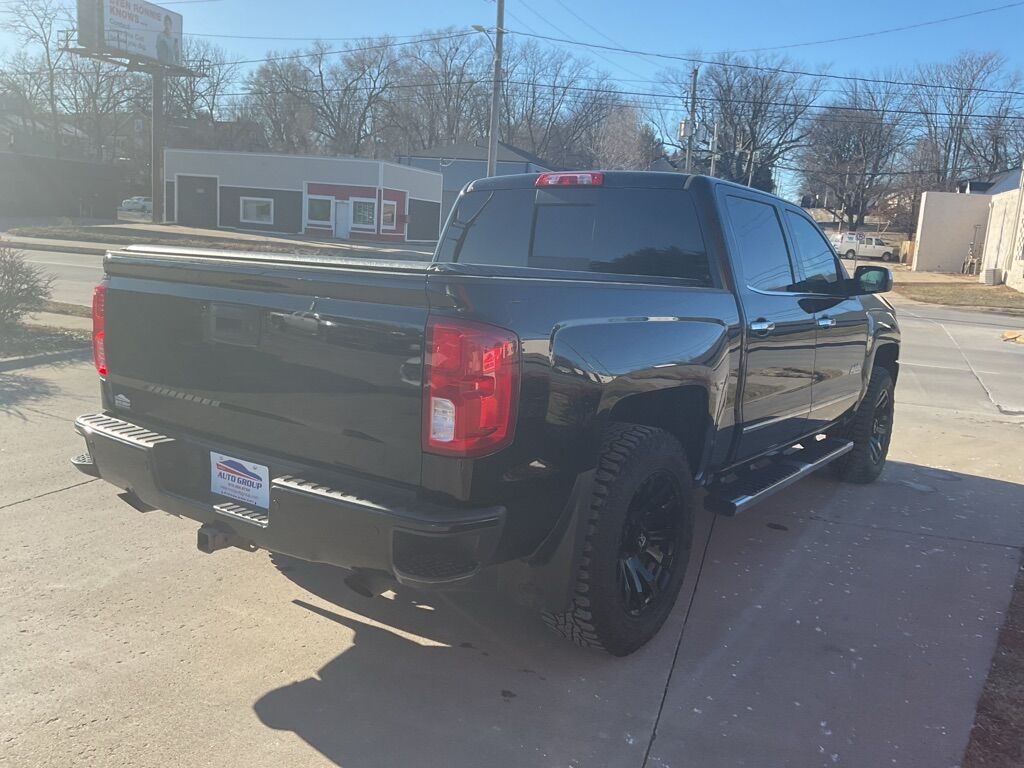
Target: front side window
{"x": 817, "y": 262}
{"x": 256, "y": 210}
{"x": 318, "y": 210}
{"x": 761, "y": 244}
{"x": 364, "y": 213}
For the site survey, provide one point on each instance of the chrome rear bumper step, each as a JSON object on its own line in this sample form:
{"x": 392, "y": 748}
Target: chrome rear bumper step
{"x": 744, "y": 489}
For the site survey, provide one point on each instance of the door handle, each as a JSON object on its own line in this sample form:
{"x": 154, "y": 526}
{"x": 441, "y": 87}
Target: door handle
{"x": 826, "y": 322}
{"x": 762, "y": 327}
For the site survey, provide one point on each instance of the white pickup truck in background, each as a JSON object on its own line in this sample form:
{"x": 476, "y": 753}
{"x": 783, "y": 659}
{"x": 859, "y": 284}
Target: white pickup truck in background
{"x": 851, "y": 245}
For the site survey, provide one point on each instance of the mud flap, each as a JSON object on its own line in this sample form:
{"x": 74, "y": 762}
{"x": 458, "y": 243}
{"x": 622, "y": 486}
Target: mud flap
{"x": 545, "y": 580}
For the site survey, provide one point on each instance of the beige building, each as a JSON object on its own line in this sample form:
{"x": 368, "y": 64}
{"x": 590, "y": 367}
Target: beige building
{"x": 948, "y": 224}
{"x": 1004, "y": 237}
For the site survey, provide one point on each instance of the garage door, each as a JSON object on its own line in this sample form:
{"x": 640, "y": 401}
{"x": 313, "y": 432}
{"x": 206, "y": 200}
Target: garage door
{"x": 197, "y": 201}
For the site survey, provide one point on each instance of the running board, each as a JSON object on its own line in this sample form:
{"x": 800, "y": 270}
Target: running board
{"x": 745, "y": 488}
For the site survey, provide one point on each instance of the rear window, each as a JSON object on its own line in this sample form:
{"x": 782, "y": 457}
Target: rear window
{"x": 626, "y": 231}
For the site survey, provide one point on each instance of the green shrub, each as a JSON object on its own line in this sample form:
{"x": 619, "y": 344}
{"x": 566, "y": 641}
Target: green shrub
{"x": 23, "y": 286}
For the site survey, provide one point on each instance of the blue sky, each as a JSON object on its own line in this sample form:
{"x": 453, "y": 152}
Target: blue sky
{"x": 668, "y": 27}
{"x": 673, "y": 27}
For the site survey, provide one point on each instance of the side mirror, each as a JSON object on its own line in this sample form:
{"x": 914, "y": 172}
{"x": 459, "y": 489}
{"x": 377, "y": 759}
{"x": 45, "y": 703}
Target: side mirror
{"x": 869, "y": 279}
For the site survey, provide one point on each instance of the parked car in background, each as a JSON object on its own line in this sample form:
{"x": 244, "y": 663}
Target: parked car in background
{"x": 138, "y": 203}
{"x": 853, "y": 245}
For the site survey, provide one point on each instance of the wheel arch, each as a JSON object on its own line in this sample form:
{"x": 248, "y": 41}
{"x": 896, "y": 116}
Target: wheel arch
{"x": 682, "y": 411}
{"x": 887, "y": 356}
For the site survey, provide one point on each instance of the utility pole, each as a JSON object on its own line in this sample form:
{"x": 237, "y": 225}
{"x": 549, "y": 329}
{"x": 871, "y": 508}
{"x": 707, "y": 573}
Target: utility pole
{"x": 492, "y": 136}
{"x": 693, "y": 120}
{"x": 714, "y": 149}
{"x": 156, "y": 162}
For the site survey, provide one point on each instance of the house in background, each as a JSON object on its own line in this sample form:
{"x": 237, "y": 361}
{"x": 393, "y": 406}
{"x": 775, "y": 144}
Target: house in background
{"x": 993, "y": 184}
{"x": 461, "y": 163}
{"x": 330, "y": 197}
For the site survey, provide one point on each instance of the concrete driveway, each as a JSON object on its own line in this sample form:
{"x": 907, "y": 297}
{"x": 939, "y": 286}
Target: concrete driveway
{"x": 834, "y": 625}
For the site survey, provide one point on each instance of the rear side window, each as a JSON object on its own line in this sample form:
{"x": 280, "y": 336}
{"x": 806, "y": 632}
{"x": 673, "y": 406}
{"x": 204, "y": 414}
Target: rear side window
{"x": 761, "y": 244}
{"x": 626, "y": 231}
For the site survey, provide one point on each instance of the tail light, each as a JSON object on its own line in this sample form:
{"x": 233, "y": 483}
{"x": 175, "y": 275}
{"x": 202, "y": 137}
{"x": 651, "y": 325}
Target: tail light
{"x": 99, "y": 328}
{"x": 470, "y": 387}
{"x": 570, "y": 180}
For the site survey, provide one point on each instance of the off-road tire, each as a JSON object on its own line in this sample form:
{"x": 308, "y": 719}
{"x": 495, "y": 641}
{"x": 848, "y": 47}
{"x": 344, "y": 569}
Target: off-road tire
{"x": 859, "y": 466}
{"x": 598, "y": 618}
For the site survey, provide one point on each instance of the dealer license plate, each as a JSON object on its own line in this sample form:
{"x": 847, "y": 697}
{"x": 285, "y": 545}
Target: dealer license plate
{"x": 240, "y": 480}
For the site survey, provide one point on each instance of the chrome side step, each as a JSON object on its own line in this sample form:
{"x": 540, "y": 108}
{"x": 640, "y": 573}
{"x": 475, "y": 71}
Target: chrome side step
{"x": 742, "y": 490}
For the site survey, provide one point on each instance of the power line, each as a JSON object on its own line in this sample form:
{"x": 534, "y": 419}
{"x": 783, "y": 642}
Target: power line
{"x": 862, "y": 35}
{"x": 562, "y": 31}
{"x": 779, "y": 70}
{"x": 279, "y": 38}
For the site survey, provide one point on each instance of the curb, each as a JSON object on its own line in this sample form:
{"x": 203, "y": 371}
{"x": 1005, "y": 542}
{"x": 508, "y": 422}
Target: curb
{"x": 28, "y": 245}
{"x": 28, "y": 361}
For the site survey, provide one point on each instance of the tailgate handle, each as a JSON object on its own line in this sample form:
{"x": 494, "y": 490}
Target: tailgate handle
{"x": 232, "y": 324}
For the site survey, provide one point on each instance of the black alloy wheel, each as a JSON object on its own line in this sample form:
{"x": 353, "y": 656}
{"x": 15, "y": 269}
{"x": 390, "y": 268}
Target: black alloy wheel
{"x": 881, "y": 427}
{"x": 639, "y": 534}
{"x": 648, "y": 547}
{"x": 870, "y": 431}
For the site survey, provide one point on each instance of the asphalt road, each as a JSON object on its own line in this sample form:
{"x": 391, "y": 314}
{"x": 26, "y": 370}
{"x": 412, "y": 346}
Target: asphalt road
{"x": 833, "y": 625}
{"x": 75, "y": 274}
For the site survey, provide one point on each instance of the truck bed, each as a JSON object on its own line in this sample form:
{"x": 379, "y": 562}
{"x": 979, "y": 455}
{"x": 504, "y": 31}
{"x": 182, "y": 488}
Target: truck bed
{"x": 312, "y": 358}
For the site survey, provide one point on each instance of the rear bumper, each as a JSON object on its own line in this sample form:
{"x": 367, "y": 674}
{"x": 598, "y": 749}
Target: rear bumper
{"x": 316, "y": 516}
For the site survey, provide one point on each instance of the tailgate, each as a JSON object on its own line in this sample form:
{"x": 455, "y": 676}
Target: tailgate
{"x": 314, "y": 361}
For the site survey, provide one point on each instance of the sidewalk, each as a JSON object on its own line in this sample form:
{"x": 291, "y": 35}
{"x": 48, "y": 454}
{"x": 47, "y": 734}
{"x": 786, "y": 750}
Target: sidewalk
{"x": 64, "y": 322}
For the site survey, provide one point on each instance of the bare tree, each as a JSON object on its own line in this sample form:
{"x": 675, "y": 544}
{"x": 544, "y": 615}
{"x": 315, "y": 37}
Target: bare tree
{"x": 190, "y": 97}
{"x": 996, "y": 139}
{"x": 39, "y": 23}
{"x": 551, "y": 100}
{"x": 24, "y": 91}
{"x": 275, "y": 101}
{"x": 854, "y": 147}
{"x": 346, "y": 94}
{"x": 624, "y": 141}
{"x": 96, "y": 97}
{"x": 441, "y": 93}
{"x": 761, "y": 108}
{"x": 947, "y": 99}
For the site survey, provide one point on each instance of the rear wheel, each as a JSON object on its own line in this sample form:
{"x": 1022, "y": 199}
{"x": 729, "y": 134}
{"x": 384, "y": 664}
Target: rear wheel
{"x": 638, "y": 541}
{"x": 851, "y": 254}
{"x": 870, "y": 430}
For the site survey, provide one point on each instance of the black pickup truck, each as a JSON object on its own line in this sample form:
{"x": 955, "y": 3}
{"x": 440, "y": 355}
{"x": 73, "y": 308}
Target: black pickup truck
{"x": 541, "y": 407}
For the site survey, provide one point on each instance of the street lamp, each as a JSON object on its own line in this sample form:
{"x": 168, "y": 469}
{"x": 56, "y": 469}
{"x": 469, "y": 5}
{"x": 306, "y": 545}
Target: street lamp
{"x": 492, "y": 133}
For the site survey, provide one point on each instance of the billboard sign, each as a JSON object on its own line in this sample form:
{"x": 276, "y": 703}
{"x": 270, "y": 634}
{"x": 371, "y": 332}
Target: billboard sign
{"x": 131, "y": 28}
